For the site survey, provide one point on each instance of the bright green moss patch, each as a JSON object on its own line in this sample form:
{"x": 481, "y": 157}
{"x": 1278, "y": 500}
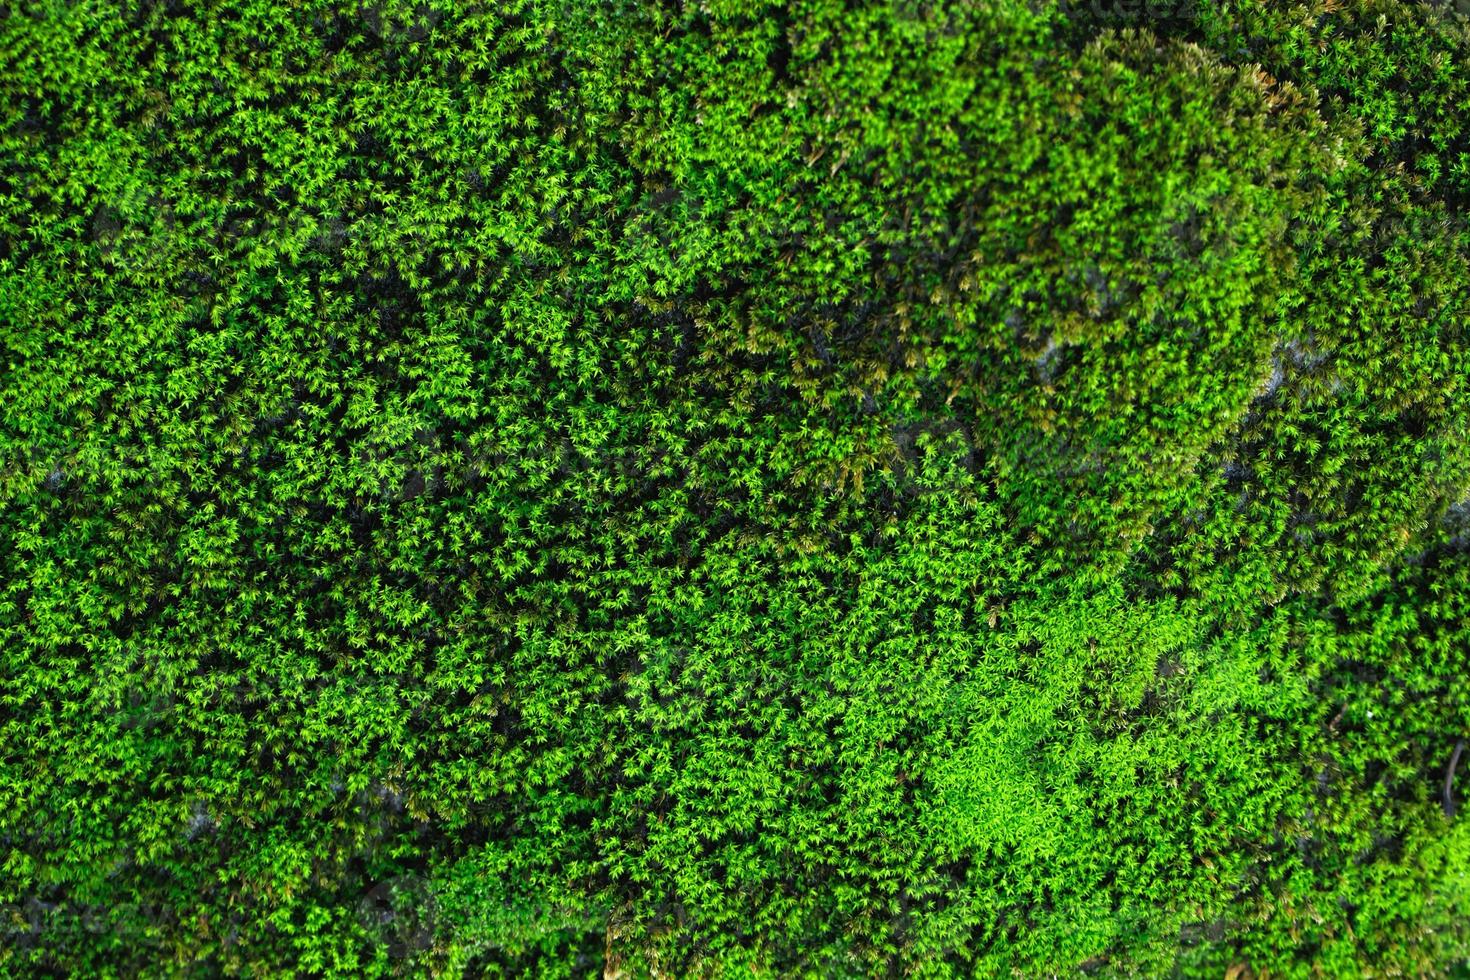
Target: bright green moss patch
{"x": 635, "y": 489}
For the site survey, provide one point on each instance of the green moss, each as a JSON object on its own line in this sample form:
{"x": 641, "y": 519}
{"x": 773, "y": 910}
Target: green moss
{"x": 574, "y": 488}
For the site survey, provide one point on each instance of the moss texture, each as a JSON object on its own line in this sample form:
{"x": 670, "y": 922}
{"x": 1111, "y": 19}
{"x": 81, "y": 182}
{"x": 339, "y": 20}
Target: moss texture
{"x": 632, "y": 488}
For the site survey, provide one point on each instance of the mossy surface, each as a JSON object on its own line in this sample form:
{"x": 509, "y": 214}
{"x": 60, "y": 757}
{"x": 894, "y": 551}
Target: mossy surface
{"x": 582, "y": 488}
